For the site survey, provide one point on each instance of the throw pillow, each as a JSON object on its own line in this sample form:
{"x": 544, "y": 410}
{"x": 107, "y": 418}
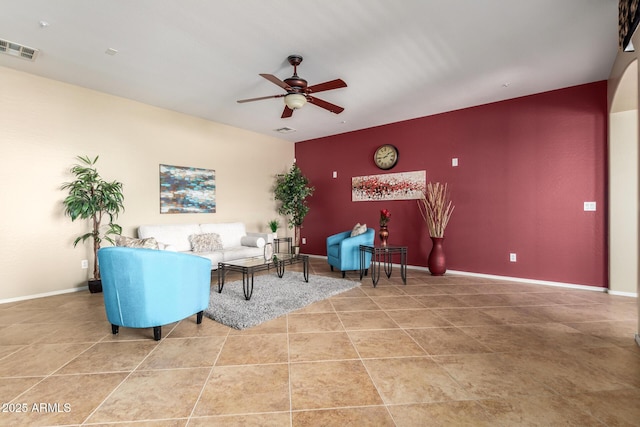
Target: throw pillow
{"x": 358, "y": 230}
{"x": 206, "y": 242}
{"x": 130, "y": 242}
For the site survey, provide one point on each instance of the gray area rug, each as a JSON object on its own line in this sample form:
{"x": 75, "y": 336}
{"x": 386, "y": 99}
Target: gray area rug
{"x": 272, "y": 297}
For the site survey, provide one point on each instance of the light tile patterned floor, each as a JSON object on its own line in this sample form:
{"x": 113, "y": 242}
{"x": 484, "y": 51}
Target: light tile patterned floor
{"x": 440, "y": 351}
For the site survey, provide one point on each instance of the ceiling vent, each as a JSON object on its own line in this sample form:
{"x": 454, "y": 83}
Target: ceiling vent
{"x": 285, "y": 130}
{"x": 18, "y": 50}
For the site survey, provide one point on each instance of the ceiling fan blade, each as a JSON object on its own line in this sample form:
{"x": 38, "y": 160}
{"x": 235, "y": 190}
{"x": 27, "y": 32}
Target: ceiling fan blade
{"x": 333, "y": 84}
{"x": 273, "y": 79}
{"x": 240, "y": 101}
{"x": 326, "y": 105}
{"x": 288, "y": 112}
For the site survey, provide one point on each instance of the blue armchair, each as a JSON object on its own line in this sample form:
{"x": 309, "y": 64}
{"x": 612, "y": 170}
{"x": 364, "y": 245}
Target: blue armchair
{"x": 147, "y": 288}
{"x": 343, "y": 251}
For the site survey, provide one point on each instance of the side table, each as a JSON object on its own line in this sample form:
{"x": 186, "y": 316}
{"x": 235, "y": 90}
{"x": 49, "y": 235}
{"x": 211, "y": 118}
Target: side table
{"x": 383, "y": 254}
{"x": 285, "y": 241}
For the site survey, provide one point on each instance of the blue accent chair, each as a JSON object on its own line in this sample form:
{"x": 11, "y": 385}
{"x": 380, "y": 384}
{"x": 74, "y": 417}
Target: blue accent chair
{"x": 343, "y": 251}
{"x": 147, "y": 288}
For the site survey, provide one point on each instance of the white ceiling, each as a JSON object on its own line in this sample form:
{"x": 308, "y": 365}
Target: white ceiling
{"x": 400, "y": 59}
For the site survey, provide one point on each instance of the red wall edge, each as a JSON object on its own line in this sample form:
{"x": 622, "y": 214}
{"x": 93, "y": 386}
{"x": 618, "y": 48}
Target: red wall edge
{"x": 526, "y": 167}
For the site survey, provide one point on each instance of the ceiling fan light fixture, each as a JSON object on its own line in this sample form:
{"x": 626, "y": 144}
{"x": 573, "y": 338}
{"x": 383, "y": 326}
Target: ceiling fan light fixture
{"x": 295, "y": 100}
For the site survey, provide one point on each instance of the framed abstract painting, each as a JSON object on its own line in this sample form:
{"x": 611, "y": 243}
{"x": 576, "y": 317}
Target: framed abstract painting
{"x": 187, "y": 190}
{"x": 390, "y": 186}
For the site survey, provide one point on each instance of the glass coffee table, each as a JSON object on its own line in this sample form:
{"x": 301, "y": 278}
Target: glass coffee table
{"x": 249, "y": 266}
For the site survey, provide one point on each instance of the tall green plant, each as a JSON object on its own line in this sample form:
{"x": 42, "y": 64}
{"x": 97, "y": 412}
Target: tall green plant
{"x": 292, "y": 190}
{"x": 91, "y": 197}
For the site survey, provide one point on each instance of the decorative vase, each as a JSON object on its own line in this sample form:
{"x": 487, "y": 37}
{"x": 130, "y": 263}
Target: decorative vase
{"x": 384, "y": 235}
{"x": 436, "y": 262}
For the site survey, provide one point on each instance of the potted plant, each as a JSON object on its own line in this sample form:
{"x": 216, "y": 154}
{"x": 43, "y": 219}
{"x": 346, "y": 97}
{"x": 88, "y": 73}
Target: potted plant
{"x": 274, "y": 224}
{"x": 291, "y": 191}
{"x": 91, "y": 197}
{"x": 436, "y": 209}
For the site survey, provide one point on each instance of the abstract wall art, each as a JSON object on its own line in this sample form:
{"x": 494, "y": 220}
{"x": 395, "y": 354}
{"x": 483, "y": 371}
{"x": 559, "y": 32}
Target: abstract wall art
{"x": 391, "y": 186}
{"x": 187, "y": 190}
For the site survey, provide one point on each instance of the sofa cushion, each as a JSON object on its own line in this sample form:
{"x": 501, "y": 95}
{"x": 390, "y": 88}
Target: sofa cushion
{"x": 215, "y": 257}
{"x": 205, "y": 242}
{"x": 130, "y": 242}
{"x": 230, "y": 232}
{"x": 358, "y": 230}
{"x": 174, "y": 235}
{"x": 242, "y": 252}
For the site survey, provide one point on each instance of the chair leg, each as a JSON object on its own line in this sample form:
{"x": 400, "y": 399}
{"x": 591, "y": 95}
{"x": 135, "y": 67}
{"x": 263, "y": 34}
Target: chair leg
{"x": 157, "y": 333}
{"x": 331, "y": 267}
{"x": 115, "y": 329}
{"x": 343, "y": 273}
{"x": 199, "y": 317}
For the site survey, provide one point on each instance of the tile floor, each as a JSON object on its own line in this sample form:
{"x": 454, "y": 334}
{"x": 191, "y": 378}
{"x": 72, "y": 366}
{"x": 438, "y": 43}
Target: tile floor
{"x": 440, "y": 351}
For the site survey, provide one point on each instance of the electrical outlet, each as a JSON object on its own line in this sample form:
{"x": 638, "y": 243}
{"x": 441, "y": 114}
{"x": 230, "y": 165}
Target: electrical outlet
{"x": 512, "y": 257}
{"x": 454, "y": 162}
{"x": 84, "y": 264}
{"x": 304, "y": 240}
{"x": 335, "y": 174}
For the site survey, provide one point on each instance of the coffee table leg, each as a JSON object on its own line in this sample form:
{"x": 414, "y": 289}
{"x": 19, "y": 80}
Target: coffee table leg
{"x": 280, "y": 268}
{"x": 221, "y": 274}
{"x": 247, "y": 287}
{"x": 305, "y": 269}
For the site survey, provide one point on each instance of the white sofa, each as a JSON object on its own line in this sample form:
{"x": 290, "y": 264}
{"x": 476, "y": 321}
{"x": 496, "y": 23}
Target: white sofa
{"x": 236, "y": 242}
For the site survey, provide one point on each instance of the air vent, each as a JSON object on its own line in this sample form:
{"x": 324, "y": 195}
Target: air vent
{"x": 285, "y": 130}
{"x": 18, "y": 50}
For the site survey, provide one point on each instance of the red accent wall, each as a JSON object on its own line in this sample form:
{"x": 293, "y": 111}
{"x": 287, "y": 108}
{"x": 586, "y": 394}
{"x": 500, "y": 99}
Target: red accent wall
{"x": 526, "y": 167}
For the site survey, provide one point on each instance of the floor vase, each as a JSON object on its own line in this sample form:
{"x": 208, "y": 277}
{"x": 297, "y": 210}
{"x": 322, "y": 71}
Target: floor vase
{"x": 437, "y": 262}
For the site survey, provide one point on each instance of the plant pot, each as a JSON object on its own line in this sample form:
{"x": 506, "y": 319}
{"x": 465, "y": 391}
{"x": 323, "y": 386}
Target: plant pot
{"x": 295, "y": 250}
{"x": 95, "y": 286}
{"x": 437, "y": 262}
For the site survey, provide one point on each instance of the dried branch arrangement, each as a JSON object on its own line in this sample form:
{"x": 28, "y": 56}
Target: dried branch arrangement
{"x": 436, "y": 208}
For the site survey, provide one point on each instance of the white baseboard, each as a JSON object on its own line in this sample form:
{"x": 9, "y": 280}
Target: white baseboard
{"x": 533, "y": 281}
{"x": 623, "y": 294}
{"x": 46, "y": 294}
{"x": 518, "y": 279}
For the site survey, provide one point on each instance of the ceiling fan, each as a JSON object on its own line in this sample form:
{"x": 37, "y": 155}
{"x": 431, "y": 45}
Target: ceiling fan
{"x": 298, "y": 93}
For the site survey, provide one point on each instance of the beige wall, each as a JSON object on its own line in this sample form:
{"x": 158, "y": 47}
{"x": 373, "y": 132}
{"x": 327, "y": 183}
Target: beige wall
{"x": 623, "y": 206}
{"x": 621, "y": 64}
{"x": 45, "y": 124}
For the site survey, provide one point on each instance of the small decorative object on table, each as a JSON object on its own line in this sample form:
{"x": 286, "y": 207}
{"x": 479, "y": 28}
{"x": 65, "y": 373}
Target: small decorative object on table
{"x": 436, "y": 209}
{"x": 385, "y": 216}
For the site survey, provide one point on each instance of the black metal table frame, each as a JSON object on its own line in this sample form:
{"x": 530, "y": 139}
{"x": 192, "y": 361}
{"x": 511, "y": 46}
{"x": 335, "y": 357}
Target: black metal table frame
{"x": 249, "y": 271}
{"x": 386, "y": 253}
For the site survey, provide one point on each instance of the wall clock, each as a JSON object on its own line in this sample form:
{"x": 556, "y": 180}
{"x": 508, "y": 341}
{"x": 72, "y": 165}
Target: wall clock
{"x": 386, "y": 156}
